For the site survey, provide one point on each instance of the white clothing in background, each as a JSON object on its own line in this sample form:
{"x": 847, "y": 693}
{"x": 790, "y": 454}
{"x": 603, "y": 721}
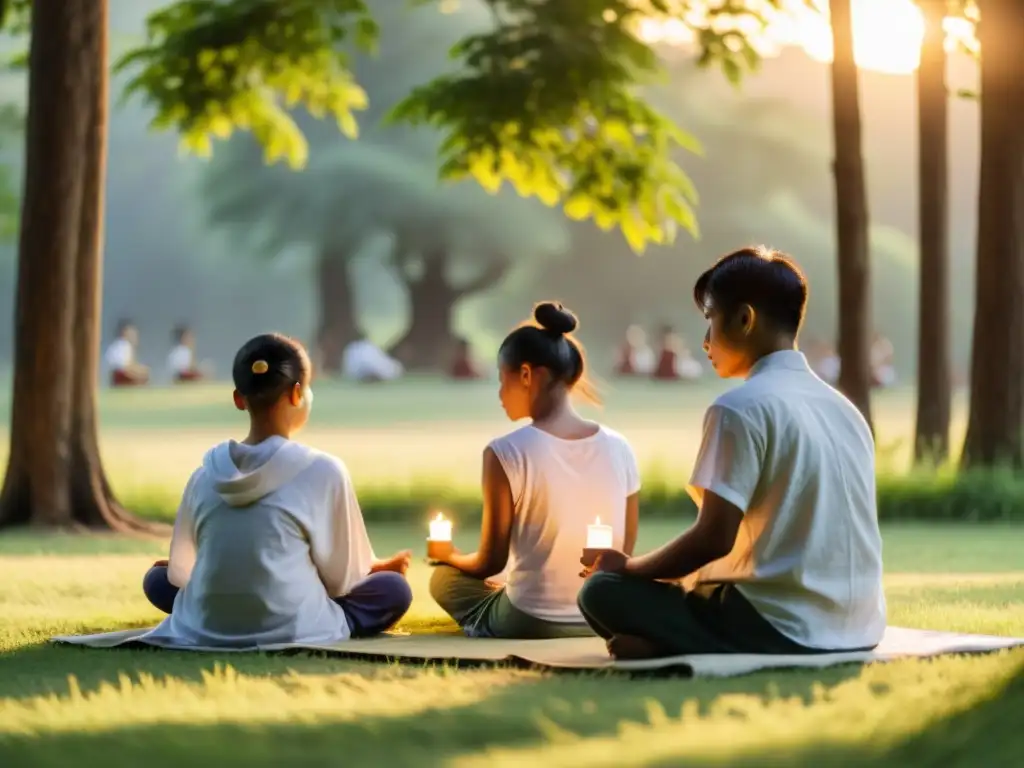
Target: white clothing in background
{"x": 798, "y": 459}
{"x": 180, "y": 360}
{"x": 688, "y": 368}
{"x": 120, "y": 355}
{"x": 363, "y": 360}
{"x": 644, "y": 361}
{"x": 559, "y": 487}
{"x": 265, "y": 535}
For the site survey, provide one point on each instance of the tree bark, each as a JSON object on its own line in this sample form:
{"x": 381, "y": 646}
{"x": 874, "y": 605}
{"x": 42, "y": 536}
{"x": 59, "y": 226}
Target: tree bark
{"x": 994, "y": 426}
{"x": 338, "y": 325}
{"x": 851, "y": 216}
{"x": 55, "y": 476}
{"x": 36, "y": 488}
{"x": 429, "y": 342}
{"x": 934, "y": 386}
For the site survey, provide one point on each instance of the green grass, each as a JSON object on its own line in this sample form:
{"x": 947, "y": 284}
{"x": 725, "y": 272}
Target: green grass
{"x": 417, "y": 444}
{"x": 61, "y": 705}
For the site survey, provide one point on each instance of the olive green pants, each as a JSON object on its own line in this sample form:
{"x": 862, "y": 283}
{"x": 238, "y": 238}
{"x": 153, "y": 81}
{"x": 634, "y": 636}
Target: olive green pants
{"x": 483, "y": 609}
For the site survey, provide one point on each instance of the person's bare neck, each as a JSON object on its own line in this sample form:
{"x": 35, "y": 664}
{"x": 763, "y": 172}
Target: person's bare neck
{"x": 562, "y": 421}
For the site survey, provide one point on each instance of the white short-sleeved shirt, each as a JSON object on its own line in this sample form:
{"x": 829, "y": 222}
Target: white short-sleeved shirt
{"x": 265, "y": 536}
{"x": 799, "y": 460}
{"x": 180, "y": 360}
{"x": 559, "y": 487}
{"x": 120, "y": 355}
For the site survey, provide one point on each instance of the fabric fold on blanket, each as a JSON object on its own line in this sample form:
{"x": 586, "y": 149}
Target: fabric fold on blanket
{"x": 588, "y": 653}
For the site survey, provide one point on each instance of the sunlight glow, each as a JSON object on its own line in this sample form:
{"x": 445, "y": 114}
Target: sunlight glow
{"x": 887, "y": 33}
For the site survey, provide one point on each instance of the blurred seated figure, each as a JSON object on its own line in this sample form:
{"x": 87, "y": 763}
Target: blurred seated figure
{"x": 366, "y": 362}
{"x": 636, "y": 358}
{"x": 823, "y": 361}
{"x": 181, "y": 361}
{"x": 463, "y": 368}
{"x": 675, "y": 363}
{"x": 120, "y": 358}
{"x": 883, "y": 358}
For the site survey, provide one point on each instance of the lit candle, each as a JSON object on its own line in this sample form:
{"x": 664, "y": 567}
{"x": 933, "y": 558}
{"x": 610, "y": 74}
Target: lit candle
{"x": 440, "y": 529}
{"x": 599, "y": 536}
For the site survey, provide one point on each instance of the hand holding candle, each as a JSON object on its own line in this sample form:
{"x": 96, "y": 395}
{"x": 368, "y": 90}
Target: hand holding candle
{"x": 439, "y": 542}
{"x": 600, "y": 538}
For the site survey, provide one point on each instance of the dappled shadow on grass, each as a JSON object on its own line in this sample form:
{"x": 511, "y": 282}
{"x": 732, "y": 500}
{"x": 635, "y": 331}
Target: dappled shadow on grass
{"x": 532, "y": 714}
{"x": 518, "y": 712}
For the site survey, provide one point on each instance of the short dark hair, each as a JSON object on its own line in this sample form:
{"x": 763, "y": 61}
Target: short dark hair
{"x": 267, "y": 366}
{"x": 548, "y": 344}
{"x": 769, "y": 281}
{"x": 123, "y": 325}
{"x": 180, "y": 332}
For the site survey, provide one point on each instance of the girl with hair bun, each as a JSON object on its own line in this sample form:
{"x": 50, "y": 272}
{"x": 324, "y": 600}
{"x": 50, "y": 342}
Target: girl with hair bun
{"x": 269, "y": 544}
{"x": 543, "y": 484}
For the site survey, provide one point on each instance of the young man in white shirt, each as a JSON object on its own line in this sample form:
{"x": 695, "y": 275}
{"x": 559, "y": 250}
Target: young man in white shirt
{"x": 786, "y": 554}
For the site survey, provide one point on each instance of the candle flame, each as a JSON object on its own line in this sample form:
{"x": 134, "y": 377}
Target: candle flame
{"x": 597, "y": 521}
{"x": 439, "y": 518}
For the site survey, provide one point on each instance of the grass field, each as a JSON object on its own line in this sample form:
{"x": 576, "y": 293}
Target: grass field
{"x": 61, "y": 706}
{"x": 414, "y": 438}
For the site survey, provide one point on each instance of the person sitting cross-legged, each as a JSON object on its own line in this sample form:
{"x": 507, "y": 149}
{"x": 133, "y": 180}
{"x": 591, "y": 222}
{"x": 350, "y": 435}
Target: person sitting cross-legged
{"x": 543, "y": 484}
{"x": 786, "y": 555}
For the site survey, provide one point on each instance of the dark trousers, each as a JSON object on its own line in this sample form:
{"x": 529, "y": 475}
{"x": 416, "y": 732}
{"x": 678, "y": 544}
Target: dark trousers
{"x": 374, "y": 605}
{"x": 714, "y": 618}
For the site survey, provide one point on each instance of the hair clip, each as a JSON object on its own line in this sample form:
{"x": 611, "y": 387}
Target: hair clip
{"x": 260, "y": 366}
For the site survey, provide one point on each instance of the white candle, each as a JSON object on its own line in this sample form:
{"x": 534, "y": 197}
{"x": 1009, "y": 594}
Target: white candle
{"x": 599, "y": 536}
{"x": 440, "y": 529}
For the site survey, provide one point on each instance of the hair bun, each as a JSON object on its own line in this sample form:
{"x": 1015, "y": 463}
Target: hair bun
{"x": 555, "y": 318}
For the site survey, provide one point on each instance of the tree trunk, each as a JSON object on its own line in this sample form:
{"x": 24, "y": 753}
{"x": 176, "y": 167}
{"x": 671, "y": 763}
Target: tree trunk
{"x": 337, "y": 309}
{"x": 851, "y": 216}
{"x": 54, "y": 475}
{"x": 36, "y": 487}
{"x": 934, "y": 388}
{"x": 429, "y": 341}
{"x": 996, "y": 415}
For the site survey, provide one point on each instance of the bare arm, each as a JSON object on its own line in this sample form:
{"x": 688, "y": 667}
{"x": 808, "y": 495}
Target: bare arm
{"x": 632, "y": 523}
{"x": 710, "y": 538}
{"x": 496, "y": 530}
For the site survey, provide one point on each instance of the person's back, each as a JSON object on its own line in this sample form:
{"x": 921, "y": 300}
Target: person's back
{"x": 269, "y": 544}
{"x": 561, "y": 486}
{"x": 809, "y": 555}
{"x": 364, "y": 361}
{"x": 258, "y": 513}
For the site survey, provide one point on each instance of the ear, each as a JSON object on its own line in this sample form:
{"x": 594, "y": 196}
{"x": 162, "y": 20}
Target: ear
{"x": 295, "y": 396}
{"x": 748, "y": 319}
{"x": 239, "y": 400}
{"x": 525, "y": 375}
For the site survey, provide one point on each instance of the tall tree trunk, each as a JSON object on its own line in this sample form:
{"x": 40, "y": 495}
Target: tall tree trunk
{"x": 429, "y": 342}
{"x": 36, "y": 488}
{"x": 934, "y": 388}
{"x": 54, "y": 475}
{"x": 851, "y": 216}
{"x": 338, "y": 325}
{"x": 92, "y": 500}
{"x": 996, "y": 418}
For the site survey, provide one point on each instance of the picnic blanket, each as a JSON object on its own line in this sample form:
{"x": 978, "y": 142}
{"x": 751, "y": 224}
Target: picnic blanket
{"x": 588, "y": 653}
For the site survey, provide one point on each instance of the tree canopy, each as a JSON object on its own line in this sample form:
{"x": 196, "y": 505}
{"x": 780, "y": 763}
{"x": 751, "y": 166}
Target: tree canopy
{"x": 545, "y": 98}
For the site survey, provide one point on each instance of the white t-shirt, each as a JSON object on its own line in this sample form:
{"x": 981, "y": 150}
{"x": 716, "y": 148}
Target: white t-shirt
{"x": 365, "y": 360}
{"x": 799, "y": 460}
{"x": 120, "y": 355}
{"x": 559, "y": 487}
{"x": 180, "y": 360}
{"x": 265, "y": 535}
